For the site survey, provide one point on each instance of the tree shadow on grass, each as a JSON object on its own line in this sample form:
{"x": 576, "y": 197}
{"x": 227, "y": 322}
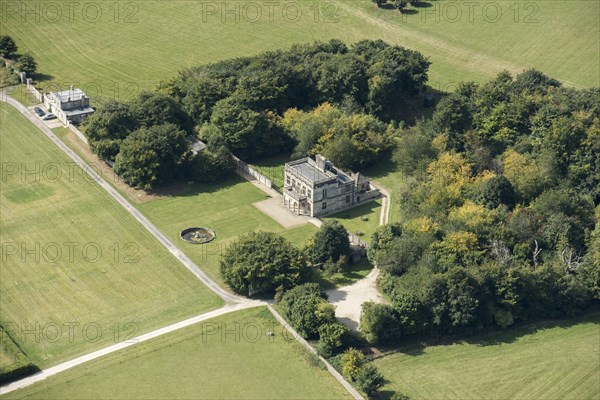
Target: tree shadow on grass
{"x": 422, "y": 4}
{"x": 183, "y": 189}
{"x": 349, "y": 323}
{"x": 520, "y": 333}
{"x": 495, "y": 336}
{"x": 381, "y": 169}
{"x": 415, "y": 345}
{"x": 409, "y": 11}
{"x": 387, "y": 6}
{"x": 383, "y": 394}
{"x": 40, "y": 77}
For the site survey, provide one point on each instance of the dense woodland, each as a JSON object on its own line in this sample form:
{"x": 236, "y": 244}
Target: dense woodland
{"x": 323, "y": 97}
{"x": 499, "y": 189}
{"x": 499, "y": 211}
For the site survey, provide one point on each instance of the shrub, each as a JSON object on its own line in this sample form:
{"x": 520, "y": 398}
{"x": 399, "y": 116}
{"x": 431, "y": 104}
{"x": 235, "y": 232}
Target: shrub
{"x": 369, "y": 379}
{"x": 27, "y": 64}
{"x": 333, "y": 337}
{"x": 379, "y": 324}
{"x": 330, "y": 243}
{"x": 307, "y": 309}
{"x": 8, "y": 47}
{"x": 352, "y": 362}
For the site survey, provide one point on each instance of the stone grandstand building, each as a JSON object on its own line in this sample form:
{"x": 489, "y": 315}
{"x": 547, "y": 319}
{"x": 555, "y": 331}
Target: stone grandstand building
{"x": 317, "y": 187}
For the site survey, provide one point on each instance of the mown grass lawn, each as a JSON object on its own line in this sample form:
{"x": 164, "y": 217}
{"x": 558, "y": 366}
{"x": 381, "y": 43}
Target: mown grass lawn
{"x": 386, "y": 174}
{"x": 223, "y": 207}
{"x": 117, "y": 53}
{"x": 73, "y": 260}
{"x": 468, "y": 41}
{"x": 272, "y": 168}
{"x": 354, "y": 219}
{"x": 545, "y": 360}
{"x": 227, "y": 205}
{"x": 12, "y": 358}
{"x": 227, "y": 209}
{"x": 229, "y": 357}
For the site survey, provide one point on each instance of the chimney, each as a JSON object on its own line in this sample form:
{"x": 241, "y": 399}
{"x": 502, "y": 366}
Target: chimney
{"x": 321, "y": 162}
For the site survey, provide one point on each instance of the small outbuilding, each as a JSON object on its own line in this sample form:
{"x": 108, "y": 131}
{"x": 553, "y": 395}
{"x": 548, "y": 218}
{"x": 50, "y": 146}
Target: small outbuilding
{"x": 69, "y": 106}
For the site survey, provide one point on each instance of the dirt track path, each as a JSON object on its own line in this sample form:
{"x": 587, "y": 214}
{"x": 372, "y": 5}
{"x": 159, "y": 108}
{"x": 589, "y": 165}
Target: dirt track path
{"x": 349, "y": 299}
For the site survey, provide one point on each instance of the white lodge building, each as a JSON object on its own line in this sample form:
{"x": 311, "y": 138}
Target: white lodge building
{"x": 70, "y": 106}
{"x": 317, "y": 188}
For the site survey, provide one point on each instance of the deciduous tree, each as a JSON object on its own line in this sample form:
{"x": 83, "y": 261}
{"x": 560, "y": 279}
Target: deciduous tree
{"x": 259, "y": 263}
{"x": 8, "y": 47}
{"x": 329, "y": 243}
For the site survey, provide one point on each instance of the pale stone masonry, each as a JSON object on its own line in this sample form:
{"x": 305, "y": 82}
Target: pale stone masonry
{"x": 317, "y": 188}
{"x": 69, "y": 106}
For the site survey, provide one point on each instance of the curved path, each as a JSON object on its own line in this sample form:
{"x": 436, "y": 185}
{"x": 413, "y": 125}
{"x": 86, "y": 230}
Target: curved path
{"x": 40, "y": 376}
{"x": 348, "y": 300}
{"x": 235, "y": 303}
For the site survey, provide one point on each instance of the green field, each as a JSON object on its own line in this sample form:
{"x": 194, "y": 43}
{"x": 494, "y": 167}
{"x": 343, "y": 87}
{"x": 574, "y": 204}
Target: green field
{"x": 352, "y": 219}
{"x": 12, "y": 359}
{"x": 560, "y": 38}
{"x": 115, "y": 54}
{"x": 547, "y": 360}
{"x": 225, "y": 208}
{"x": 73, "y": 260}
{"x": 199, "y": 362}
{"x": 272, "y": 168}
{"x": 387, "y": 175}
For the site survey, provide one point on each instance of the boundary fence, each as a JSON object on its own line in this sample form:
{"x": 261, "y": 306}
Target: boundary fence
{"x": 249, "y": 173}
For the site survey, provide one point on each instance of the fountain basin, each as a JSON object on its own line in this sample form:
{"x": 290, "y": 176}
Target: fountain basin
{"x": 197, "y": 235}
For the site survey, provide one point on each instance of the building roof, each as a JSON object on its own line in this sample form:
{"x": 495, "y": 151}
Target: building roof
{"x": 322, "y": 170}
{"x": 78, "y": 111}
{"x": 70, "y": 95}
{"x": 310, "y": 171}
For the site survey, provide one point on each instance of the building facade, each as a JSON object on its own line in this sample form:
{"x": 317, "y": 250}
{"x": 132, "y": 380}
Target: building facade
{"x": 69, "y": 106}
{"x": 317, "y": 188}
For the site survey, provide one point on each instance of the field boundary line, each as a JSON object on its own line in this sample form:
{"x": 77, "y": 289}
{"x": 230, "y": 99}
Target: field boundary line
{"x": 46, "y": 373}
{"x": 185, "y": 260}
{"x": 235, "y": 302}
{"x": 312, "y": 350}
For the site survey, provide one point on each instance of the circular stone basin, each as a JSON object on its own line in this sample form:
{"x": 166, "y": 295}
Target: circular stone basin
{"x": 197, "y": 235}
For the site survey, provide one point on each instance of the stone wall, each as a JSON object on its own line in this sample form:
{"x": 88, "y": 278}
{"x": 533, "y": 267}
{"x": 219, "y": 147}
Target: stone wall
{"x": 38, "y": 95}
{"x": 249, "y": 173}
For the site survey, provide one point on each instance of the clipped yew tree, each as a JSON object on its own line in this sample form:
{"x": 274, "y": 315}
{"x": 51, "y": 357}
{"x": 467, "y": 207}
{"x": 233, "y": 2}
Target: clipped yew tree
{"x": 261, "y": 262}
